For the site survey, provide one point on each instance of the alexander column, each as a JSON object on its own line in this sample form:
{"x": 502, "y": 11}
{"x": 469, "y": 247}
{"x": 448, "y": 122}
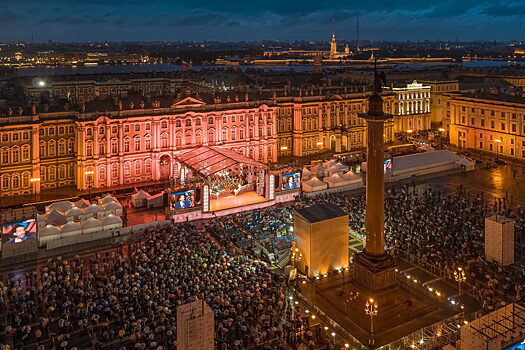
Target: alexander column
{"x": 374, "y": 268}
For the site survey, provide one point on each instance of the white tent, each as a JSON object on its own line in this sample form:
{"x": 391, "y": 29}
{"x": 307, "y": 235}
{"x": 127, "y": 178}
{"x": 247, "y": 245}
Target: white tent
{"x": 94, "y": 210}
{"x": 337, "y": 168}
{"x": 318, "y": 170}
{"x": 111, "y": 222}
{"x": 335, "y": 180}
{"x": 329, "y": 163}
{"x": 314, "y": 184}
{"x": 307, "y": 174}
{"x": 140, "y": 199}
{"x": 351, "y": 177}
{"x": 113, "y": 207}
{"x": 108, "y": 198}
{"x": 466, "y": 163}
{"x": 82, "y": 203}
{"x": 55, "y": 217}
{"x": 48, "y": 230}
{"x": 70, "y": 227}
{"x": 75, "y": 213}
{"x": 91, "y": 225}
{"x": 62, "y": 206}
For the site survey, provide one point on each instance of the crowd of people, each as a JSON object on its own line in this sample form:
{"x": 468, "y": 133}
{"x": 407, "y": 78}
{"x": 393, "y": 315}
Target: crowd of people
{"x": 127, "y": 298}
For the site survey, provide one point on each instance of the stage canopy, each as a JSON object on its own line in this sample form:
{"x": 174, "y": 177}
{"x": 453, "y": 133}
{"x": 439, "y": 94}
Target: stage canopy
{"x": 206, "y": 161}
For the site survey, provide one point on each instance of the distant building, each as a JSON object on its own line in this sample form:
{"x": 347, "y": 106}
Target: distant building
{"x": 411, "y": 108}
{"x": 491, "y": 123}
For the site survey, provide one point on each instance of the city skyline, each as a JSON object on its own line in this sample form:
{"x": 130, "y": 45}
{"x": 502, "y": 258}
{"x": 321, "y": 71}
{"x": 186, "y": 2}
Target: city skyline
{"x": 163, "y": 20}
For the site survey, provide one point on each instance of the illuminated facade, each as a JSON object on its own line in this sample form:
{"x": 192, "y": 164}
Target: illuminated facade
{"x": 94, "y": 150}
{"x": 492, "y": 124}
{"x": 307, "y": 125}
{"x": 412, "y": 108}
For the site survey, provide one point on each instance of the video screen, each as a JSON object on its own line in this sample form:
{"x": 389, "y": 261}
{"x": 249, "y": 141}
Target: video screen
{"x": 17, "y": 232}
{"x": 388, "y": 166}
{"x": 290, "y": 181}
{"x": 182, "y": 200}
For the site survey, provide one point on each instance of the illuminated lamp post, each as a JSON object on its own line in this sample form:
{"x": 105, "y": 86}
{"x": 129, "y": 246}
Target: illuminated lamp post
{"x": 89, "y": 177}
{"x": 460, "y": 277}
{"x": 296, "y": 255}
{"x": 371, "y": 309}
{"x": 34, "y": 181}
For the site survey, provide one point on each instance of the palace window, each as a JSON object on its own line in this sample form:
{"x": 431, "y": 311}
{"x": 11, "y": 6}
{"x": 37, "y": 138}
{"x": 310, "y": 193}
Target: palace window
{"x": 233, "y": 134}
{"x": 164, "y": 141}
{"x": 126, "y": 128}
{"x": 5, "y": 156}
{"x": 188, "y": 122}
{"x": 5, "y": 182}
{"x": 210, "y": 120}
{"x": 89, "y": 131}
{"x": 62, "y": 172}
{"x": 137, "y": 144}
{"x": 15, "y": 136}
{"x": 25, "y": 136}
{"x": 114, "y": 171}
{"x": 114, "y": 146}
{"x": 147, "y": 142}
{"x": 164, "y": 124}
{"x": 71, "y": 129}
{"x": 61, "y": 147}
{"x": 138, "y": 167}
{"x": 127, "y": 169}
{"x": 102, "y": 173}
{"x": 101, "y": 130}
{"x": 241, "y": 134}
{"x": 101, "y": 148}
{"x": 15, "y": 181}
{"x": 15, "y": 155}
{"x": 211, "y": 136}
{"x": 89, "y": 149}
{"x": 147, "y": 126}
{"x": 25, "y": 153}
{"x": 178, "y": 123}
{"x": 147, "y": 166}
{"x": 137, "y": 127}
{"x": 114, "y": 129}
{"x": 71, "y": 171}
{"x": 198, "y": 121}
{"x": 126, "y": 145}
{"x": 224, "y": 134}
{"x": 52, "y": 173}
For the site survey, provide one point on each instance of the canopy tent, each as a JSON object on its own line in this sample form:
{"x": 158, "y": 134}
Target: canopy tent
{"x": 111, "y": 222}
{"x": 318, "y": 170}
{"x": 70, "y": 227}
{"x": 108, "y": 199}
{"x": 313, "y": 185}
{"x": 307, "y": 174}
{"x": 335, "y": 180}
{"x": 75, "y": 213}
{"x": 337, "y": 168}
{"x": 351, "y": 177}
{"x": 82, "y": 203}
{"x": 91, "y": 225}
{"x": 48, "y": 230}
{"x": 207, "y": 160}
{"x": 140, "y": 198}
{"x": 426, "y": 147}
{"x": 62, "y": 206}
{"x": 55, "y": 217}
{"x": 329, "y": 163}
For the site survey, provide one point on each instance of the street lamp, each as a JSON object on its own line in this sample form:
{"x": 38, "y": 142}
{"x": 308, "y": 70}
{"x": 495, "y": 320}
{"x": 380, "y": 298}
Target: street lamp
{"x": 89, "y": 175}
{"x": 296, "y": 255}
{"x": 498, "y": 141}
{"x": 34, "y": 180}
{"x": 460, "y": 277}
{"x": 371, "y": 309}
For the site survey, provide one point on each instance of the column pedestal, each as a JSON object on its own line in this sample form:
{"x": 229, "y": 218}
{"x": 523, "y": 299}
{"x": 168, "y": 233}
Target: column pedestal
{"x": 375, "y": 272}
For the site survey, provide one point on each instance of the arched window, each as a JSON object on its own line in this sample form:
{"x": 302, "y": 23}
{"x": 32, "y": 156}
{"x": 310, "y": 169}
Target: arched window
{"x": 210, "y": 121}
{"x": 164, "y": 124}
{"x": 188, "y": 122}
{"x": 114, "y": 171}
{"x": 198, "y": 137}
{"x": 224, "y": 134}
{"x": 127, "y": 169}
{"x": 71, "y": 146}
{"x": 5, "y": 182}
{"x": 15, "y": 154}
{"x": 25, "y": 180}
{"x": 241, "y": 134}
{"x": 51, "y": 148}
{"x": 15, "y": 181}
{"x": 234, "y": 133}
{"x": 126, "y": 144}
{"x": 43, "y": 174}
{"x": 102, "y": 173}
{"x": 211, "y": 136}
{"x": 138, "y": 167}
{"x": 147, "y": 167}
{"x": 25, "y": 153}
{"x": 101, "y": 130}
{"x": 62, "y": 171}
{"x": 52, "y": 173}
{"x": 102, "y": 148}
{"x": 147, "y": 142}
{"x": 71, "y": 171}
{"x": 188, "y": 138}
{"x": 178, "y": 123}
{"x": 114, "y": 146}
{"x": 136, "y": 141}
{"x": 89, "y": 149}
{"x": 198, "y": 121}
{"x": 42, "y": 149}
{"x": 164, "y": 140}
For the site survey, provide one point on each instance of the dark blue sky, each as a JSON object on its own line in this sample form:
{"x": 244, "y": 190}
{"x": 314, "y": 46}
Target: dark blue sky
{"x": 234, "y": 20}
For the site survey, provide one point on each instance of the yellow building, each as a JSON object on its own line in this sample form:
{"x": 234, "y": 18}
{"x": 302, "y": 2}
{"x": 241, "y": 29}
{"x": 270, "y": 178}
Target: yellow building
{"x": 439, "y": 102}
{"x": 490, "y": 123}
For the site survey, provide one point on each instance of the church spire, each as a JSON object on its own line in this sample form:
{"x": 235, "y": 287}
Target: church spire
{"x": 333, "y": 43}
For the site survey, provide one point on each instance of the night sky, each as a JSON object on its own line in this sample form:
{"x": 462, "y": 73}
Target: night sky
{"x": 236, "y": 20}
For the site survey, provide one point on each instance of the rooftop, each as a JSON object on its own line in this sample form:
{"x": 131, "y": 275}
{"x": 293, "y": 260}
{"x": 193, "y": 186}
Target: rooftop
{"x": 321, "y": 212}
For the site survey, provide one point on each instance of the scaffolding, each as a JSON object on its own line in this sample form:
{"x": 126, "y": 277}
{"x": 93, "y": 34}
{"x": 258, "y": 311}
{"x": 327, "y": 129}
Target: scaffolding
{"x": 495, "y": 330}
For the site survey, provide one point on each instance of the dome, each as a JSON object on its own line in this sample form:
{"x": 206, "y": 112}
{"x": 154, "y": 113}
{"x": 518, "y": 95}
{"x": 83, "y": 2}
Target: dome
{"x": 70, "y": 227}
{"x": 49, "y": 230}
{"x": 91, "y": 223}
{"x": 111, "y": 220}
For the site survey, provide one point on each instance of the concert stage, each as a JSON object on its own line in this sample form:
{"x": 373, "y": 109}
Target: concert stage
{"x": 233, "y": 201}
